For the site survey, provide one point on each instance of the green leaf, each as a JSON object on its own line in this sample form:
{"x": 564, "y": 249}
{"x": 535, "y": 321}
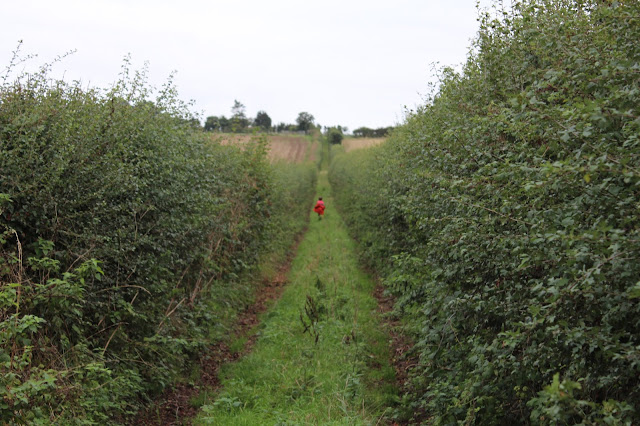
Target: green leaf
{"x": 634, "y": 292}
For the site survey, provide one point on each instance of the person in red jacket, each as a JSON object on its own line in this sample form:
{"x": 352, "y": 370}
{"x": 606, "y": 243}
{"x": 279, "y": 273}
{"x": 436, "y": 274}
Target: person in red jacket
{"x": 319, "y": 208}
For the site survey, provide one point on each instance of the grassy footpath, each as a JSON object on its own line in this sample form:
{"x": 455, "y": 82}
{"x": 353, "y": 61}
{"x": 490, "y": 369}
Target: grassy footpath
{"x": 321, "y": 356}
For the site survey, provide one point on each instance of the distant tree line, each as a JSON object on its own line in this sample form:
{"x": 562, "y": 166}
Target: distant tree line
{"x": 240, "y": 123}
{"x": 365, "y": 132}
{"x": 237, "y": 123}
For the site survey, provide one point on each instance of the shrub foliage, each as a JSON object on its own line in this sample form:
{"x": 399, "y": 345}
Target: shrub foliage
{"x": 123, "y": 232}
{"x": 504, "y": 215}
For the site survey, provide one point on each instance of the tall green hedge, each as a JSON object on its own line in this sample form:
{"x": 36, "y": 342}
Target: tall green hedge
{"x": 504, "y": 214}
{"x": 123, "y": 231}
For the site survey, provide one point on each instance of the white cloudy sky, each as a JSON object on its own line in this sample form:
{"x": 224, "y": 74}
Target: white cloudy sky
{"x": 348, "y": 62}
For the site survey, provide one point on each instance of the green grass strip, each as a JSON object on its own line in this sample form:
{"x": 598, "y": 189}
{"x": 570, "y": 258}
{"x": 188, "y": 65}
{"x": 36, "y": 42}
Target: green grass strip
{"x": 335, "y": 372}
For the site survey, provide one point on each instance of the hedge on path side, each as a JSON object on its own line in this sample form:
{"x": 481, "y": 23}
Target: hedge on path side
{"x": 504, "y": 214}
{"x": 123, "y": 232}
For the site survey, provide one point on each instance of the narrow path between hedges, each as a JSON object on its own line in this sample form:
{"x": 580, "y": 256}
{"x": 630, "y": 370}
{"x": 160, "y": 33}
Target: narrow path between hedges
{"x": 180, "y": 404}
{"x": 321, "y": 355}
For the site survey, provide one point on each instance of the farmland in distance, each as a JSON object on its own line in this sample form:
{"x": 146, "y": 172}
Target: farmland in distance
{"x": 351, "y": 144}
{"x": 288, "y": 147}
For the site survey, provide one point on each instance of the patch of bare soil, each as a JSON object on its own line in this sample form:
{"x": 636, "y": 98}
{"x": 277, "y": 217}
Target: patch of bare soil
{"x": 173, "y": 407}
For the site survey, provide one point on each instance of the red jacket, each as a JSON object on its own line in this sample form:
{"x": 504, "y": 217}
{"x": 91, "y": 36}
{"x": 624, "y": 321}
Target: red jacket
{"x": 319, "y": 208}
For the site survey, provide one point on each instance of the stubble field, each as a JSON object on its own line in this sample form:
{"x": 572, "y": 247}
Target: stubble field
{"x": 351, "y": 144}
{"x": 289, "y": 148}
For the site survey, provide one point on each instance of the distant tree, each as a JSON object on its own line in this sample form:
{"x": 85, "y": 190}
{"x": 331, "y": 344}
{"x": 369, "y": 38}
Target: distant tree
{"x": 225, "y": 124}
{"x": 335, "y": 135}
{"x": 217, "y": 124}
{"x": 263, "y": 121}
{"x": 363, "y": 132}
{"x": 305, "y": 121}
{"x": 239, "y": 121}
{"x": 212, "y": 124}
{"x": 382, "y": 132}
{"x": 285, "y": 127}
{"x": 238, "y": 109}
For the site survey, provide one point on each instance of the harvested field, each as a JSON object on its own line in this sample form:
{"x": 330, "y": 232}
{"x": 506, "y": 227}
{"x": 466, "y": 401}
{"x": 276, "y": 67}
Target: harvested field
{"x": 290, "y": 148}
{"x": 350, "y": 144}
{"x": 313, "y": 151}
{"x": 293, "y": 149}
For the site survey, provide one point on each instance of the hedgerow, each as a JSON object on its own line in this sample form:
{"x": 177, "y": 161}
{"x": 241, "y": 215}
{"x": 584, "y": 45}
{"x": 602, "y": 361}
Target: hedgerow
{"x": 504, "y": 215}
{"x": 124, "y": 234}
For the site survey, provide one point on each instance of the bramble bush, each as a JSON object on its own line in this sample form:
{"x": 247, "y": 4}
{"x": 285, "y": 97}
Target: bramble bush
{"x": 124, "y": 237}
{"x": 504, "y": 215}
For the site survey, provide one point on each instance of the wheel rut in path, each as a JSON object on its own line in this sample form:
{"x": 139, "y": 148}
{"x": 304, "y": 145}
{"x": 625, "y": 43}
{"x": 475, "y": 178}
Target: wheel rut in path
{"x": 174, "y": 406}
{"x": 322, "y": 356}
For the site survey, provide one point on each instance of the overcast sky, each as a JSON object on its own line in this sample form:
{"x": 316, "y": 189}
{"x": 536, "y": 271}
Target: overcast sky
{"x": 348, "y": 62}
